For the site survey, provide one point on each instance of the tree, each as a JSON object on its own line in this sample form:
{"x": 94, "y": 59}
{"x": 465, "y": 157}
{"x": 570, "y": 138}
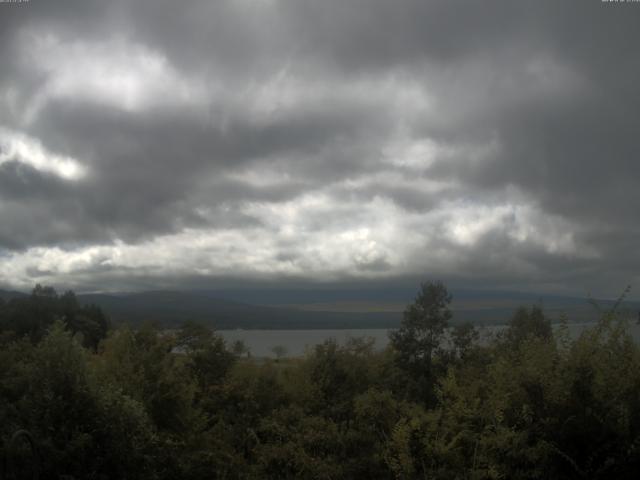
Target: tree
{"x": 193, "y": 336}
{"x": 143, "y": 366}
{"x": 240, "y": 348}
{"x": 528, "y": 322}
{"x": 420, "y": 335}
{"x": 337, "y": 374}
{"x": 33, "y": 315}
{"x": 209, "y": 360}
{"x": 279, "y": 351}
{"x": 463, "y": 337}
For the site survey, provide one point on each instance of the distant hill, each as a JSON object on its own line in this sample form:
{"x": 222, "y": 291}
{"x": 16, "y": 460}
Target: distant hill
{"x": 9, "y": 294}
{"x": 329, "y": 309}
{"x": 170, "y": 308}
{"x": 320, "y": 309}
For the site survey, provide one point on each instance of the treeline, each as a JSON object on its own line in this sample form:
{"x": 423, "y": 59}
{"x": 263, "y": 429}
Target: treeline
{"x": 32, "y": 316}
{"x": 123, "y": 403}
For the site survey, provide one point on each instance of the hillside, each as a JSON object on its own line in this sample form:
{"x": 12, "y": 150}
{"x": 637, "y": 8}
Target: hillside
{"x": 322, "y": 309}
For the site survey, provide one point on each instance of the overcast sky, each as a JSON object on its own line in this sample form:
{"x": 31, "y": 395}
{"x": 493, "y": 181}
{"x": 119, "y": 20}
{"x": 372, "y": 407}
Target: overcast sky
{"x": 179, "y": 144}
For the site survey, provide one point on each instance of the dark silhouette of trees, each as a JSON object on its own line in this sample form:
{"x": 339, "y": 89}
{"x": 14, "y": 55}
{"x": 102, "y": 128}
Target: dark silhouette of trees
{"x": 420, "y": 336}
{"x": 526, "y": 323}
{"x": 463, "y": 338}
{"x": 535, "y": 402}
{"x": 31, "y": 316}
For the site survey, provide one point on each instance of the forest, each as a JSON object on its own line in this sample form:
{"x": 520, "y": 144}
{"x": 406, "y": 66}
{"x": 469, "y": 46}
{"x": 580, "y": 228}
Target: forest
{"x": 105, "y": 402}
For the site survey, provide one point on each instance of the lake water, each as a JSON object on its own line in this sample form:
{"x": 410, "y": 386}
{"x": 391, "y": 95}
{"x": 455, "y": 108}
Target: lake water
{"x": 296, "y": 342}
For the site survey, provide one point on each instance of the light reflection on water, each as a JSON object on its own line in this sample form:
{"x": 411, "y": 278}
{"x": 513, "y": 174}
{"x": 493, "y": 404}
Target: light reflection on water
{"x": 261, "y": 342}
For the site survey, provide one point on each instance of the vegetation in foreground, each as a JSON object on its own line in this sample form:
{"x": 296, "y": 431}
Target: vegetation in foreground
{"x": 120, "y": 403}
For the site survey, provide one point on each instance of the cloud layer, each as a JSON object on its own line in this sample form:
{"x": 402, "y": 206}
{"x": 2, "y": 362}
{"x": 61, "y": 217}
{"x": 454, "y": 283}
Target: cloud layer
{"x": 155, "y": 143}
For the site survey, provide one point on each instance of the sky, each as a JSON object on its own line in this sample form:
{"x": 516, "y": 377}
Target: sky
{"x": 157, "y": 144}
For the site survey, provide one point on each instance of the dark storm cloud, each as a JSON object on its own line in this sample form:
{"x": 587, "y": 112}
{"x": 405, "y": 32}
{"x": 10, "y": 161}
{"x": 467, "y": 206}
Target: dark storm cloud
{"x": 148, "y": 170}
{"x": 492, "y": 140}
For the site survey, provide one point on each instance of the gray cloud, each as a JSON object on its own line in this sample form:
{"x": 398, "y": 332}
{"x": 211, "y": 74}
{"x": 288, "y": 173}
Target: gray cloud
{"x": 184, "y": 143}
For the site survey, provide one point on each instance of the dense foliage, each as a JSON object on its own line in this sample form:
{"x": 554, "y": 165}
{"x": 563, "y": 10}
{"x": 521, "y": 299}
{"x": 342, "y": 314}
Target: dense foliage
{"x": 438, "y": 403}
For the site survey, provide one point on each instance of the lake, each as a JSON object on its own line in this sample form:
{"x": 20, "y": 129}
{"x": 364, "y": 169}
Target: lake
{"x": 261, "y": 342}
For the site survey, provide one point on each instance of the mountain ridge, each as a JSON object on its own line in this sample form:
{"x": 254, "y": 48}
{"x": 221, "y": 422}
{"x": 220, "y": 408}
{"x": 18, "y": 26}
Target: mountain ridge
{"x": 172, "y": 307}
